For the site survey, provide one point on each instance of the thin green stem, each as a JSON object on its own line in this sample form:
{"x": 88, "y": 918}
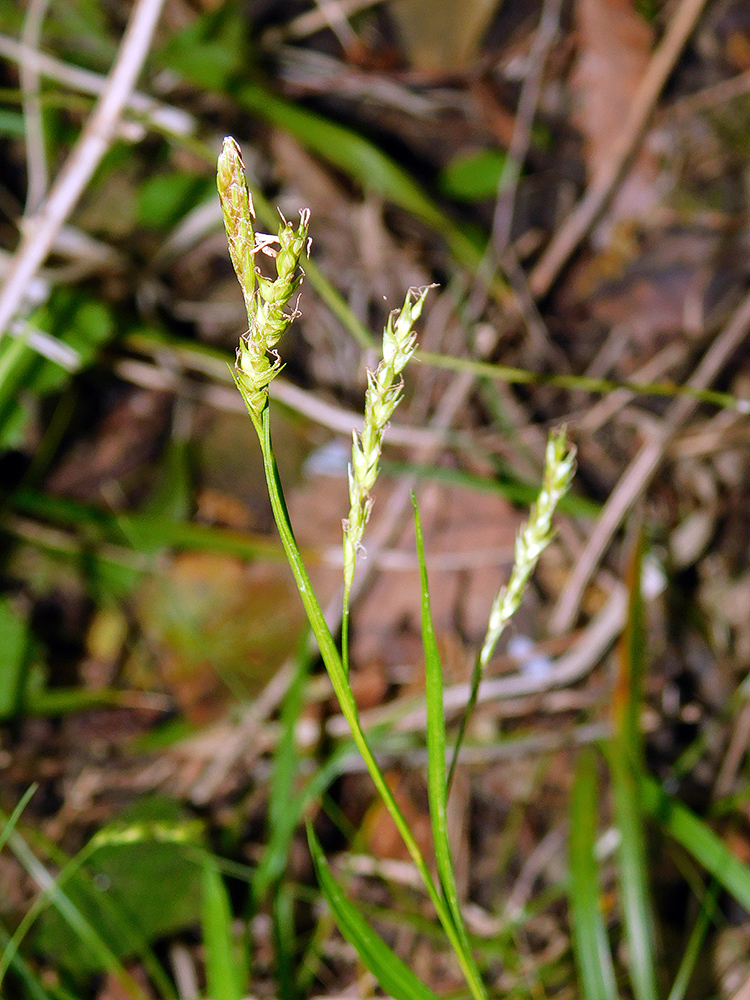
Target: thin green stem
{"x": 340, "y": 681}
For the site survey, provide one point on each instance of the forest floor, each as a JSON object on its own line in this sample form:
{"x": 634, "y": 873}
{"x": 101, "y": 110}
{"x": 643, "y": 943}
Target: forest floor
{"x": 571, "y": 179}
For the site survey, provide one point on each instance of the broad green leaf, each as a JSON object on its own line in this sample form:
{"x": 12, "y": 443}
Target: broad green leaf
{"x": 210, "y": 51}
{"x": 84, "y": 932}
{"x": 165, "y": 198}
{"x": 146, "y": 847}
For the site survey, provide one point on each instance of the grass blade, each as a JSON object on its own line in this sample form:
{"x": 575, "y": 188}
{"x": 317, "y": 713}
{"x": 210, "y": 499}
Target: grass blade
{"x": 70, "y": 912}
{"x": 284, "y": 806}
{"x": 626, "y": 765}
{"x": 698, "y": 840}
{"x": 394, "y": 975}
{"x": 590, "y": 944}
{"x": 221, "y": 967}
{"x": 695, "y": 945}
{"x": 343, "y": 691}
{"x": 436, "y": 769}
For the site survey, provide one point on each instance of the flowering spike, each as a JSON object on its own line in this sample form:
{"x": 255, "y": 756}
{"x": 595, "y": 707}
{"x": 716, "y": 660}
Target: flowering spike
{"x": 266, "y": 299}
{"x": 532, "y": 540}
{"x": 239, "y": 215}
{"x": 381, "y": 398}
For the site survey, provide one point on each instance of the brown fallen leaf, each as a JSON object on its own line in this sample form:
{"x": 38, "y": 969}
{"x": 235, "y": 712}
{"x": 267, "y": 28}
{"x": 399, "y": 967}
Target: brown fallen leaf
{"x": 218, "y": 626}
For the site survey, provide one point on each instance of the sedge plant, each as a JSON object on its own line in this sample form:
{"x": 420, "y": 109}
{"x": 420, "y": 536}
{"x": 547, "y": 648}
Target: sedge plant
{"x": 270, "y": 310}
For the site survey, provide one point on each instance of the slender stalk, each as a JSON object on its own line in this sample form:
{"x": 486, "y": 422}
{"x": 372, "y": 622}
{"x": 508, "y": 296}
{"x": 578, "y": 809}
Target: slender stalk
{"x": 342, "y": 688}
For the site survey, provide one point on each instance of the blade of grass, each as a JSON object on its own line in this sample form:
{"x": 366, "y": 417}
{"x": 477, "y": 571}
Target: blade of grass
{"x": 34, "y": 988}
{"x": 695, "y": 945}
{"x": 285, "y": 942}
{"x": 698, "y": 839}
{"x": 9, "y": 824}
{"x": 626, "y": 765}
{"x": 590, "y": 944}
{"x": 15, "y": 642}
{"x": 394, "y": 976}
{"x": 216, "y": 919}
{"x": 143, "y": 532}
{"x": 584, "y": 383}
{"x": 436, "y": 767}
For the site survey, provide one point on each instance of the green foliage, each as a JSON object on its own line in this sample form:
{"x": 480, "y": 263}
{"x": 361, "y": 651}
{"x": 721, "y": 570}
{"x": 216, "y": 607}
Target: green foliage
{"x": 211, "y": 51}
{"x": 473, "y": 176}
{"x": 164, "y": 198}
{"x": 593, "y": 957}
{"x": 83, "y": 325}
{"x": 15, "y": 639}
{"x": 152, "y": 844}
{"x": 222, "y": 965}
{"x": 11, "y": 123}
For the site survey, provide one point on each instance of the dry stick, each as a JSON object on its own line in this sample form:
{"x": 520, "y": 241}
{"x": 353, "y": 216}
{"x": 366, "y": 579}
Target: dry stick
{"x": 313, "y": 20}
{"x": 40, "y": 230}
{"x": 163, "y": 116}
{"x": 36, "y": 157}
{"x": 603, "y": 186}
{"x": 568, "y": 669}
{"x": 642, "y": 468}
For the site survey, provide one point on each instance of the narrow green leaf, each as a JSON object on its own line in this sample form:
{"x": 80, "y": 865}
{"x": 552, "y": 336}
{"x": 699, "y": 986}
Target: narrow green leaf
{"x": 474, "y": 176}
{"x": 436, "y": 768}
{"x": 342, "y": 688}
{"x": 285, "y": 939}
{"x": 284, "y": 804}
{"x": 14, "y": 645}
{"x": 143, "y": 532}
{"x": 695, "y": 945}
{"x": 626, "y": 765}
{"x": 216, "y": 919}
{"x": 593, "y": 956}
{"x": 394, "y": 976}
{"x": 28, "y": 977}
{"x": 10, "y": 823}
{"x": 698, "y": 839}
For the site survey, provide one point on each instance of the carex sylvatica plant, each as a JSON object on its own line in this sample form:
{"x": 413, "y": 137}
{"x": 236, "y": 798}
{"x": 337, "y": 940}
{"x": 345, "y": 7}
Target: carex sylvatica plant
{"x": 271, "y": 307}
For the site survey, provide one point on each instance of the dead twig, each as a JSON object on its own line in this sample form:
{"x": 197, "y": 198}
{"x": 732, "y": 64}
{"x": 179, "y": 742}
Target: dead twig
{"x": 41, "y": 228}
{"x": 36, "y": 157}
